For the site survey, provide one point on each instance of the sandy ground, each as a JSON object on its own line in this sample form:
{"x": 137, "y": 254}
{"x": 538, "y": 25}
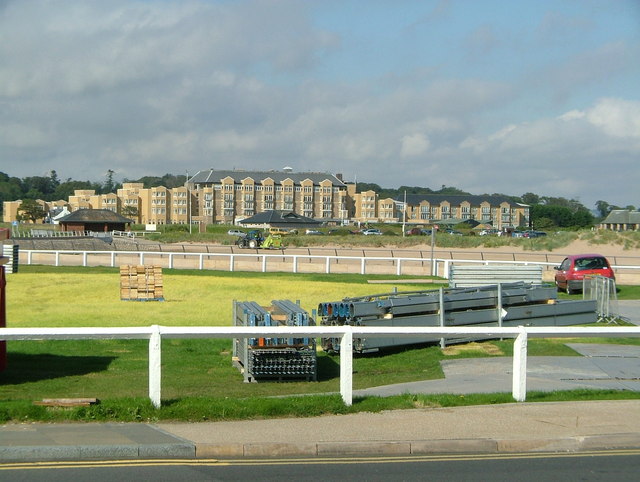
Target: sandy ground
{"x": 576, "y": 247}
{"x": 616, "y": 254}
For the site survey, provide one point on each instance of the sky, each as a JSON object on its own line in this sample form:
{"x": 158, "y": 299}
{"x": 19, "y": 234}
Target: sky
{"x": 512, "y": 97}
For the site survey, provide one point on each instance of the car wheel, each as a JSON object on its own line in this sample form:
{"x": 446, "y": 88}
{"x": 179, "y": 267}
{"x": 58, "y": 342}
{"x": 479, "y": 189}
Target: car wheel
{"x": 253, "y": 244}
{"x": 569, "y": 290}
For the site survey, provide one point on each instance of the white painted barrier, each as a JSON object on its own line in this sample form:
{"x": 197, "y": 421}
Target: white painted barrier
{"x": 155, "y": 333}
{"x": 167, "y": 259}
{"x": 437, "y": 267}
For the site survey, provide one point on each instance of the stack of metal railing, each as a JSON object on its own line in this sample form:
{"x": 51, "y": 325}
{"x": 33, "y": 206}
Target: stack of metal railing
{"x": 274, "y": 358}
{"x": 511, "y": 304}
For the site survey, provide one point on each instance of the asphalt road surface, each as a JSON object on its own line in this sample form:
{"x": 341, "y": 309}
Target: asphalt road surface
{"x": 611, "y": 465}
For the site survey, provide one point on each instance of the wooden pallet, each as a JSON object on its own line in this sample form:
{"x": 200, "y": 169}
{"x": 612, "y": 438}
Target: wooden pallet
{"x": 141, "y": 283}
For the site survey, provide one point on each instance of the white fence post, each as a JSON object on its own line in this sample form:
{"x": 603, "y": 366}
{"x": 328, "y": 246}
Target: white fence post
{"x": 155, "y": 373}
{"x": 445, "y": 268}
{"x": 346, "y": 366}
{"x": 346, "y": 333}
{"x": 519, "y": 384}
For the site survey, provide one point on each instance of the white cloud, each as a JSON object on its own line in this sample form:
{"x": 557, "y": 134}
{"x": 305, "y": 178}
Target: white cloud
{"x": 413, "y": 145}
{"x": 616, "y": 117}
{"x": 146, "y": 88}
{"x": 572, "y": 115}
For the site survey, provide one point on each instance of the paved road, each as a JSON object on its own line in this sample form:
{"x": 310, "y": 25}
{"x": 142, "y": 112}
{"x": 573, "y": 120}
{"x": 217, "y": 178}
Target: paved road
{"x": 618, "y": 465}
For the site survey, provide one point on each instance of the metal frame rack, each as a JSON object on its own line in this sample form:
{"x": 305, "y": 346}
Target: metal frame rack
{"x": 276, "y": 359}
{"x": 511, "y": 304}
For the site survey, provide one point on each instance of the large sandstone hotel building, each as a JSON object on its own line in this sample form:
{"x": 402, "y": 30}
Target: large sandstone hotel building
{"x": 227, "y": 196}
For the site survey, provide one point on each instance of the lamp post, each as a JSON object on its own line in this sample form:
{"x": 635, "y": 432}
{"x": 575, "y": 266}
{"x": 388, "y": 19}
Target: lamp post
{"x": 188, "y": 203}
{"x": 404, "y": 213}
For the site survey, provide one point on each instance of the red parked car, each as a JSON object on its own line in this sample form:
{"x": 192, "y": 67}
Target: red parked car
{"x": 570, "y": 274}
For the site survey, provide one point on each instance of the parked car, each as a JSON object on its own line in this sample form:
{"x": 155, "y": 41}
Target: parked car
{"x": 236, "y": 232}
{"x": 453, "y": 231}
{"x": 534, "y": 234}
{"x": 281, "y": 231}
{"x": 573, "y": 269}
{"x": 313, "y": 232}
{"x": 371, "y": 231}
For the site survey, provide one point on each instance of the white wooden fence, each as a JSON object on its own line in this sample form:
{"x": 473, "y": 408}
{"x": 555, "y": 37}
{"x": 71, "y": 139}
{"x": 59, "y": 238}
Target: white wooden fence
{"x": 156, "y": 333}
{"x": 436, "y": 267}
{"x": 266, "y": 260}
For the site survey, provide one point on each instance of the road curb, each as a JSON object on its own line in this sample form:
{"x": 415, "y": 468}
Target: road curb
{"x": 420, "y": 447}
{"x": 322, "y": 449}
{"x": 39, "y": 453}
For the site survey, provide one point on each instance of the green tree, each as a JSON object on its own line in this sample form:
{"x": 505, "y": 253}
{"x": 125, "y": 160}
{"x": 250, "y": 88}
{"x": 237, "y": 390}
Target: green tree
{"x": 38, "y": 187}
{"x": 130, "y": 211}
{"x": 109, "y": 185}
{"x": 30, "y": 210}
{"x": 55, "y": 182}
{"x": 561, "y": 216}
{"x": 530, "y": 198}
{"x": 68, "y": 187}
{"x": 603, "y": 208}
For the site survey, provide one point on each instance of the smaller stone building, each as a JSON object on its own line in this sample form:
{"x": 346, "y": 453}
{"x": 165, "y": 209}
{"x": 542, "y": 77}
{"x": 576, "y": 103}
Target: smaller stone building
{"x": 621, "y": 220}
{"x": 96, "y": 220}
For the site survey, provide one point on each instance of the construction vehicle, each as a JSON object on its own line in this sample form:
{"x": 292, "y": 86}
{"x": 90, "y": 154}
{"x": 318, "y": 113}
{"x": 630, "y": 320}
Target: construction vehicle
{"x": 256, "y": 239}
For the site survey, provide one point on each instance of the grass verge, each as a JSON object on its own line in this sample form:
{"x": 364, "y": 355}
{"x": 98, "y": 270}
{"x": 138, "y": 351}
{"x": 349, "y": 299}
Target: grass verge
{"x": 201, "y": 409}
{"x": 199, "y": 381}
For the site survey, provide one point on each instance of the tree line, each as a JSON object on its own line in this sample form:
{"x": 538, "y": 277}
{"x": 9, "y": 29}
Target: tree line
{"x": 545, "y": 212}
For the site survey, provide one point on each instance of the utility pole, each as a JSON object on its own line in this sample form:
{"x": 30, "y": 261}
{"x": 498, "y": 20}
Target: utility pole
{"x": 404, "y": 213}
{"x": 188, "y": 202}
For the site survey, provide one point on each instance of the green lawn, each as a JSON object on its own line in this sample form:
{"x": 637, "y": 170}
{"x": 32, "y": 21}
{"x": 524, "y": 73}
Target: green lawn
{"x": 199, "y": 381}
{"x": 76, "y": 296}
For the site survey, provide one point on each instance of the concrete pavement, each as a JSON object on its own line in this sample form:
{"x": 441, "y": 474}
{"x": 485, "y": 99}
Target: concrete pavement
{"x": 629, "y": 310}
{"x": 507, "y": 428}
{"x": 517, "y": 427}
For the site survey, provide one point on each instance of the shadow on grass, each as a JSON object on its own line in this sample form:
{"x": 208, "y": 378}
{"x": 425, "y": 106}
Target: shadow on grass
{"x": 328, "y": 368}
{"x": 25, "y": 368}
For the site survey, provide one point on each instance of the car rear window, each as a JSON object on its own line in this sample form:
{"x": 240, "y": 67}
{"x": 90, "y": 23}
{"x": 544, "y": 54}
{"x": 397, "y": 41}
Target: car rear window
{"x": 590, "y": 263}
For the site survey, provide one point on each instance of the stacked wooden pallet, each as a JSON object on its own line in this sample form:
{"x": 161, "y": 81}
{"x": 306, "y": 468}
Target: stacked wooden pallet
{"x": 141, "y": 283}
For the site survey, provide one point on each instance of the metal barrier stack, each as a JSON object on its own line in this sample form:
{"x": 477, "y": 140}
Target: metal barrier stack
{"x": 12, "y": 252}
{"x": 603, "y": 290}
{"x": 508, "y": 305}
{"x": 279, "y": 359}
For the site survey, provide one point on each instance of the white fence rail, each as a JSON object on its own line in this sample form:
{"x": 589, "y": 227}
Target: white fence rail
{"x": 266, "y": 261}
{"x": 439, "y": 267}
{"x": 156, "y": 333}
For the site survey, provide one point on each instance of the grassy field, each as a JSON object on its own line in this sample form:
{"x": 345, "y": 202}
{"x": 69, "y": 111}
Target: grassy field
{"x": 76, "y": 296}
{"x": 199, "y": 381}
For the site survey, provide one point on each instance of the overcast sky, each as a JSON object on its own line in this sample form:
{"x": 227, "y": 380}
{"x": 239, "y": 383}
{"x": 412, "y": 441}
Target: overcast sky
{"x": 487, "y": 96}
